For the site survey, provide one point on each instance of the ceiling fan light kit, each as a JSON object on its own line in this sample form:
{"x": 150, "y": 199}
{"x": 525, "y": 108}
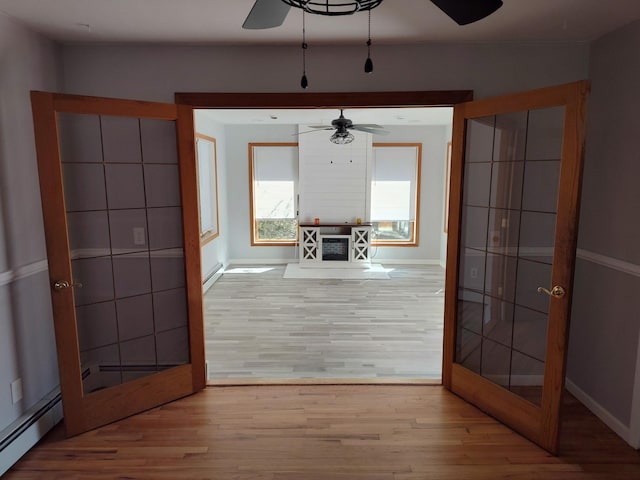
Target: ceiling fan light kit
{"x": 342, "y": 125}
{"x": 341, "y": 138}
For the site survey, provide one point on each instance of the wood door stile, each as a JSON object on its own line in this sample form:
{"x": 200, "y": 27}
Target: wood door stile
{"x": 566, "y": 240}
{"x": 84, "y": 411}
{"x": 191, "y": 233}
{"x": 541, "y": 424}
{"x": 55, "y": 221}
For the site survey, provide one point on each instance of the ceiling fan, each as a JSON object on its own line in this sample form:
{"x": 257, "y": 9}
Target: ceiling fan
{"x": 272, "y": 13}
{"x": 342, "y": 125}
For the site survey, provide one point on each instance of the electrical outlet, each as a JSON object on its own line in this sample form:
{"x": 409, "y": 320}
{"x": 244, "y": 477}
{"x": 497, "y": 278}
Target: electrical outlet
{"x": 16, "y": 390}
{"x": 473, "y": 273}
{"x": 138, "y": 236}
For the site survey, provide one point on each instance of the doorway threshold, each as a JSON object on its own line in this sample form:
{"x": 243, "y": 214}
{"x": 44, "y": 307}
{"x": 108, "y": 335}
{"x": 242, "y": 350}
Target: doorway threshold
{"x": 228, "y": 382}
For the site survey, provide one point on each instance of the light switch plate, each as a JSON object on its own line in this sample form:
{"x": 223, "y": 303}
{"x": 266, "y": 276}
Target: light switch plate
{"x": 16, "y": 390}
{"x": 138, "y": 236}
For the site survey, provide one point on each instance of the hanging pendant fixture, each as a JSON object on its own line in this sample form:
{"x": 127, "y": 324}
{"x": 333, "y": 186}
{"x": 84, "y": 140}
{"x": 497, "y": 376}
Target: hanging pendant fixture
{"x": 368, "y": 64}
{"x": 304, "y": 83}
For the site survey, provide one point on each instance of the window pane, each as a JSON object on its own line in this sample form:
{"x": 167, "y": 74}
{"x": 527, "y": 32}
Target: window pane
{"x": 204, "y": 185}
{"x": 274, "y": 200}
{"x": 394, "y": 185}
{"x": 390, "y": 201}
{"x": 274, "y": 186}
{"x": 394, "y": 231}
{"x": 278, "y": 229}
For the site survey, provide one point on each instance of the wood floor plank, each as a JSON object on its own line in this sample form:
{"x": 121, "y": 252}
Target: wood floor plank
{"x": 378, "y": 432}
{"x": 261, "y": 325}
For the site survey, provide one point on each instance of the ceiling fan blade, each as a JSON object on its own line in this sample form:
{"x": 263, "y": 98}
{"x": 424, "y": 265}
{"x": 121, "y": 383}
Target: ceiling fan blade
{"x": 266, "y": 14}
{"x": 368, "y": 125}
{"x": 309, "y": 131}
{"x": 464, "y": 12}
{"x": 375, "y": 131}
{"x": 322, "y": 127}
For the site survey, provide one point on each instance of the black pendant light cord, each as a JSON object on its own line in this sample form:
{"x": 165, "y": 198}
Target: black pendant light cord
{"x": 368, "y": 65}
{"x": 304, "y": 83}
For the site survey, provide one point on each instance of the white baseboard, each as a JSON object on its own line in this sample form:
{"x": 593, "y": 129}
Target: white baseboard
{"x": 284, "y": 261}
{"x": 25, "y": 432}
{"x": 599, "y": 411}
{"x": 402, "y": 261}
{"x": 262, "y": 261}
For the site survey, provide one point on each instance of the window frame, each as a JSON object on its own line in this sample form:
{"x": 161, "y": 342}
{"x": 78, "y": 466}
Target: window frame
{"x": 256, "y": 242}
{"x": 208, "y": 235}
{"x": 415, "y": 224}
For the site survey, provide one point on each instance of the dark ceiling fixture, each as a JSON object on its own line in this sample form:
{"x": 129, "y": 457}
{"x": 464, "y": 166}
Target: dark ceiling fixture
{"x": 342, "y": 125}
{"x": 272, "y": 13}
{"x": 464, "y": 12}
{"x": 334, "y": 8}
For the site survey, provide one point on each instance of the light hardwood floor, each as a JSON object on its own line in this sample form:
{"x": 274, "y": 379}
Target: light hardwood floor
{"x": 326, "y": 433}
{"x": 262, "y": 326}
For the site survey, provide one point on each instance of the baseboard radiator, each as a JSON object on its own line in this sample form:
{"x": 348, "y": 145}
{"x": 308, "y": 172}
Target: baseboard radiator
{"x": 26, "y": 431}
{"x": 212, "y": 277}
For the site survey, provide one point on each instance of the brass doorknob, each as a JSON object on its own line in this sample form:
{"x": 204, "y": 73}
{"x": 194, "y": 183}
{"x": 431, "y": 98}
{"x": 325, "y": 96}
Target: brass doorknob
{"x": 64, "y": 284}
{"x": 556, "y": 292}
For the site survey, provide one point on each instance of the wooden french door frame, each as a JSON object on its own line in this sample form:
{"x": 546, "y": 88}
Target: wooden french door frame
{"x": 83, "y": 412}
{"x": 540, "y": 424}
{"x": 324, "y": 100}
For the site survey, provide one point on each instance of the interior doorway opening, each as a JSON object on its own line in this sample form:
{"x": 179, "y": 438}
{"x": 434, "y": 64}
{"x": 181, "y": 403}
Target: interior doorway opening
{"x": 330, "y": 337}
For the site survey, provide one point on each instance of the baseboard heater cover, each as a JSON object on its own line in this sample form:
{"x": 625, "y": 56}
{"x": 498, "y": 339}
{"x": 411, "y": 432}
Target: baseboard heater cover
{"x": 18, "y": 438}
{"x": 212, "y": 277}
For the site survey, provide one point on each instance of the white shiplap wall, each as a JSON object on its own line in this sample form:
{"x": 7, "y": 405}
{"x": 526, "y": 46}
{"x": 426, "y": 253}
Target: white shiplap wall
{"x": 334, "y": 179}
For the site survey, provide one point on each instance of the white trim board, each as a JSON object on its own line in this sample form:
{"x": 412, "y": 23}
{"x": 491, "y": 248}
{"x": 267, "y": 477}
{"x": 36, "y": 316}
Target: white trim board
{"x": 392, "y": 261}
{"x": 23, "y": 271}
{"x": 261, "y": 261}
{"x": 610, "y": 262}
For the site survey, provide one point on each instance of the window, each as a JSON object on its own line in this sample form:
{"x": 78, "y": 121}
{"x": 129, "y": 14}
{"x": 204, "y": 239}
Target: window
{"x": 207, "y": 187}
{"x": 395, "y": 193}
{"x": 273, "y": 170}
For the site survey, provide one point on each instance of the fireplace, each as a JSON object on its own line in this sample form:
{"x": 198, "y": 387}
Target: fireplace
{"x": 335, "y": 248}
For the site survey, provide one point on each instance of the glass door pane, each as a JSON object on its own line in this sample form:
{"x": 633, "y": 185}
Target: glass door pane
{"x": 509, "y": 204}
{"x": 123, "y": 208}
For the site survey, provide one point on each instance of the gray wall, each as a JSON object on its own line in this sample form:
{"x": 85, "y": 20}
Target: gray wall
{"x": 238, "y": 137}
{"x": 27, "y": 349}
{"x": 606, "y": 323}
{"x": 156, "y": 72}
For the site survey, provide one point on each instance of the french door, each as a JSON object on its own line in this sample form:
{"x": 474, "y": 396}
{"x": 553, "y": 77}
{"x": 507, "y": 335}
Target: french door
{"x": 119, "y": 195}
{"x": 515, "y": 188}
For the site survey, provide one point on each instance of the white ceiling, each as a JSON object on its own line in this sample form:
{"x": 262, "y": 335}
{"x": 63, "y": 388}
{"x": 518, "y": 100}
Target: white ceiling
{"x": 381, "y": 116}
{"x": 394, "y": 22}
